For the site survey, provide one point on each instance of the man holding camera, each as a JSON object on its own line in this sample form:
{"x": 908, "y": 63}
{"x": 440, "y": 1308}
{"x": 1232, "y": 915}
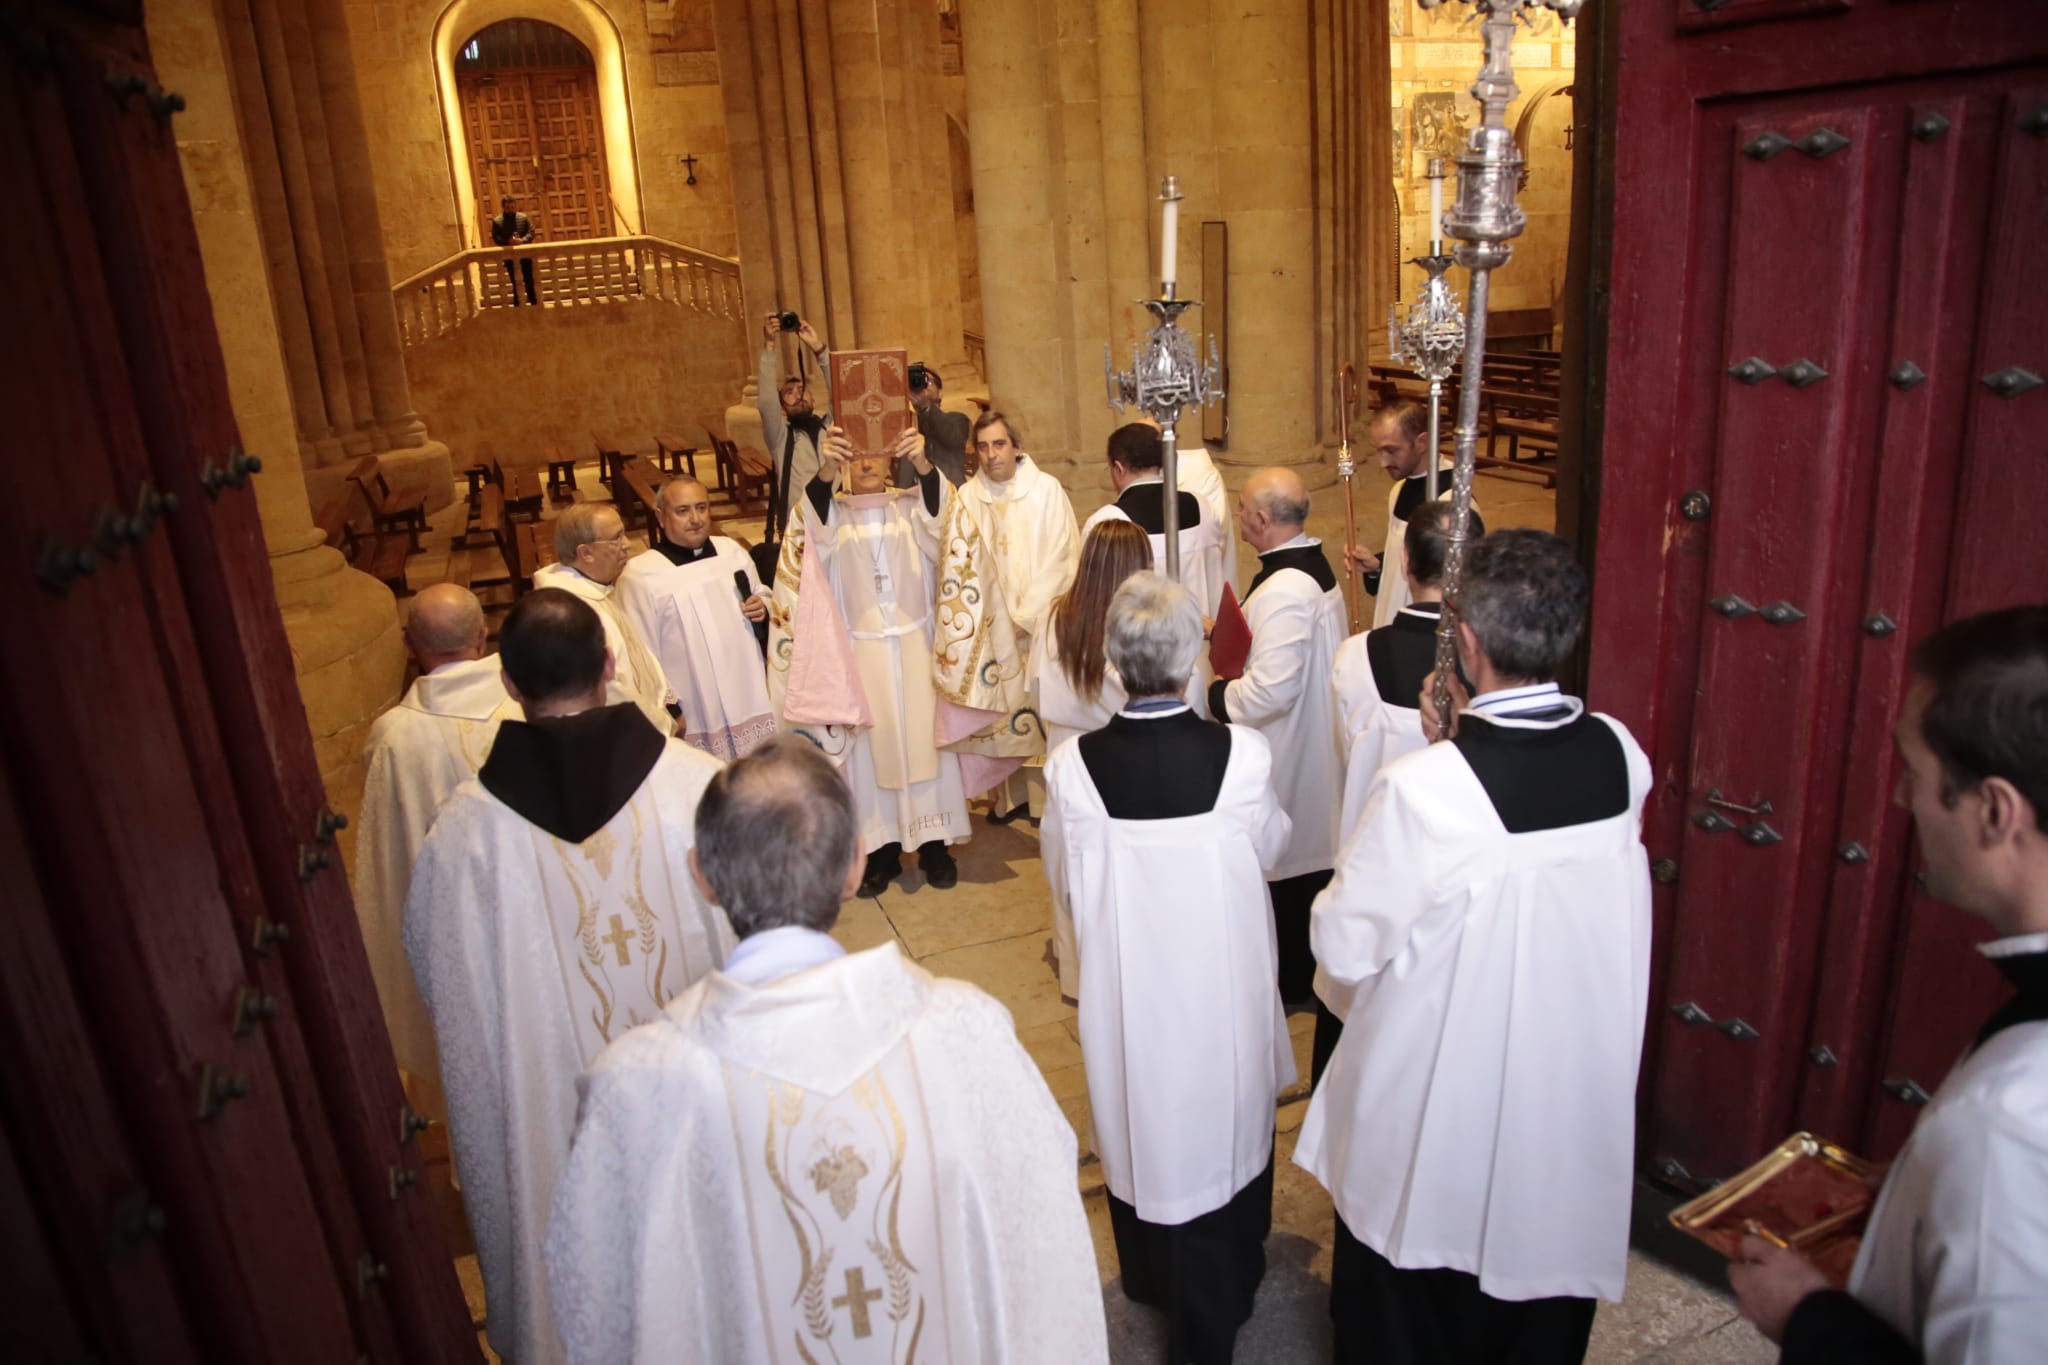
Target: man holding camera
{"x": 790, "y": 422}
{"x": 945, "y": 433}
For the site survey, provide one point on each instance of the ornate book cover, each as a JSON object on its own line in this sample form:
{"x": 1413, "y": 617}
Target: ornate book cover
{"x": 871, "y": 398}
{"x": 1806, "y": 1194}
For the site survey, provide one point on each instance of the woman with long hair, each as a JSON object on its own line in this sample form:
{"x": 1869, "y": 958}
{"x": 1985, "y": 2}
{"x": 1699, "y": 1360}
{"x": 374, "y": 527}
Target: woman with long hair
{"x": 1078, "y": 689}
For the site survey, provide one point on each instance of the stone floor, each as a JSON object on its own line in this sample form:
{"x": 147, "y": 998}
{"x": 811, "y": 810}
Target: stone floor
{"x": 993, "y": 930}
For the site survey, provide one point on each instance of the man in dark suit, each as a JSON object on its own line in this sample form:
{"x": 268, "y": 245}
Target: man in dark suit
{"x": 945, "y": 433}
{"x": 513, "y": 228}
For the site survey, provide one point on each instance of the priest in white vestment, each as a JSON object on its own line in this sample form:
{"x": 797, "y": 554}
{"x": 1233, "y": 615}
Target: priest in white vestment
{"x": 1157, "y": 834}
{"x": 551, "y": 911}
{"x": 1295, "y": 609}
{"x": 1400, "y": 441}
{"x": 1025, "y": 523}
{"x": 419, "y": 752}
{"x": 1196, "y": 473}
{"x": 1378, "y": 680}
{"x": 814, "y": 1155}
{"x": 1491, "y": 917}
{"x": 876, "y": 549}
{"x": 591, "y": 551}
{"x": 1953, "y": 1266}
{"x": 694, "y": 599}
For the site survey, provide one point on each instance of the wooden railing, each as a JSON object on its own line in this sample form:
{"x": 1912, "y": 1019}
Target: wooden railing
{"x": 977, "y": 352}
{"x": 590, "y": 272}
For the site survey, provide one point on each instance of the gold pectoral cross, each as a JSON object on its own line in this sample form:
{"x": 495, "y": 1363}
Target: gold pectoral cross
{"x": 856, "y": 1300}
{"x": 619, "y": 938}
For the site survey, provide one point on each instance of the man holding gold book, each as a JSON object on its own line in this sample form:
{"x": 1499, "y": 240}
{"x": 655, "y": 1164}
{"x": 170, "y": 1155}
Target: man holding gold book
{"x": 1953, "y": 1267}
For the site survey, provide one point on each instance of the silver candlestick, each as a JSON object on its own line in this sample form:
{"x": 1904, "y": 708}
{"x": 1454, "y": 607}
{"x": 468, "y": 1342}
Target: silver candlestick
{"x": 1431, "y": 338}
{"x": 1167, "y": 374}
{"x": 1484, "y": 221}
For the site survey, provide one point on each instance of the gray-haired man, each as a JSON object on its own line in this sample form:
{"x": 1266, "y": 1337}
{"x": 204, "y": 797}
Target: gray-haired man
{"x": 1491, "y": 912}
{"x": 814, "y": 1142}
{"x": 1158, "y": 831}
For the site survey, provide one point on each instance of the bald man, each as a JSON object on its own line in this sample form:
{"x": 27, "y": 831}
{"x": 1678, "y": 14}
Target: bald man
{"x": 591, "y": 551}
{"x": 419, "y": 752}
{"x": 1295, "y": 609}
{"x": 695, "y": 600}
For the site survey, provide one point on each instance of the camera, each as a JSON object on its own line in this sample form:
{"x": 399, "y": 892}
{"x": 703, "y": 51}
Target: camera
{"x": 920, "y": 376}
{"x": 789, "y": 322}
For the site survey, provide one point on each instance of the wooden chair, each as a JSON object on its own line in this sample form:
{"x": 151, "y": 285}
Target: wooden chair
{"x": 402, "y": 509}
{"x": 380, "y": 556}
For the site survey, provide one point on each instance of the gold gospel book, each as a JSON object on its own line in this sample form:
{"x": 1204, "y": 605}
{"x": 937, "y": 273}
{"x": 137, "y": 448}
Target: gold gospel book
{"x": 1806, "y": 1194}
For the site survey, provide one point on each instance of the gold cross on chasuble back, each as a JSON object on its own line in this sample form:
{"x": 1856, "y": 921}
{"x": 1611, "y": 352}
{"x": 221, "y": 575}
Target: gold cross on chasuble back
{"x": 856, "y": 1300}
{"x": 619, "y": 938}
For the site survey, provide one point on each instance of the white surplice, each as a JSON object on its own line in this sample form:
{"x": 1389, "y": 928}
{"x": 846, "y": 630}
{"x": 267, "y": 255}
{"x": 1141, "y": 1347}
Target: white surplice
{"x": 1393, "y": 594}
{"x": 532, "y": 954}
{"x": 1956, "y": 1252}
{"x": 1201, "y": 547}
{"x": 853, "y": 1162}
{"x": 690, "y": 617}
{"x": 1198, "y": 474}
{"x": 1182, "y": 1028}
{"x": 879, "y": 550}
{"x": 419, "y": 752}
{"x": 1297, "y": 627}
{"x": 1479, "y": 1112}
{"x": 636, "y": 673}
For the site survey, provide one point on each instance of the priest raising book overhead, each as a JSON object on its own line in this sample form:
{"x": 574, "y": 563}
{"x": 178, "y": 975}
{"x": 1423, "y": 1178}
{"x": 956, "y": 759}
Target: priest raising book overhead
{"x": 817, "y": 1155}
{"x": 552, "y": 910}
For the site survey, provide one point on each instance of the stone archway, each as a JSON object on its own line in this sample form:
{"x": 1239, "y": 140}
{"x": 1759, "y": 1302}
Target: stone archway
{"x": 588, "y": 24}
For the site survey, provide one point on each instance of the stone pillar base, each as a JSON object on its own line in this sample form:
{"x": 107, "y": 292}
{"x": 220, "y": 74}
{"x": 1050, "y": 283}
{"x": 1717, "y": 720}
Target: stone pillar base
{"x": 349, "y": 653}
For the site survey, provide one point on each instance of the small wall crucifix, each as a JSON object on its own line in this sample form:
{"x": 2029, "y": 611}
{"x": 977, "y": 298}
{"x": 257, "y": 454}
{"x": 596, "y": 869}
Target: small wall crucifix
{"x": 689, "y": 166}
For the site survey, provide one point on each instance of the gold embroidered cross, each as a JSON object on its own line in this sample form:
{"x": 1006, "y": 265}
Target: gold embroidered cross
{"x": 856, "y": 1300}
{"x": 619, "y": 938}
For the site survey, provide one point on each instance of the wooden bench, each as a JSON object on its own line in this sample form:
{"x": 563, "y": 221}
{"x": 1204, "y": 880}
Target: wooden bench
{"x": 401, "y": 509}
{"x": 675, "y": 454}
{"x": 1520, "y": 416}
{"x": 637, "y": 492}
{"x": 610, "y": 455}
{"x": 380, "y": 556}
{"x": 561, "y": 463}
{"x": 753, "y": 478}
{"x": 524, "y": 545}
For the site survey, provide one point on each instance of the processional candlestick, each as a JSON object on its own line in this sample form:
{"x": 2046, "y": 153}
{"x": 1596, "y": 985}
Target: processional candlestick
{"x": 1484, "y": 221}
{"x": 1431, "y": 338}
{"x": 1167, "y": 372}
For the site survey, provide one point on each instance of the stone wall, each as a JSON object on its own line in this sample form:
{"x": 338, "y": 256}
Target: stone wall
{"x": 516, "y": 377}
{"x": 671, "y": 93}
{"x": 1435, "y": 57}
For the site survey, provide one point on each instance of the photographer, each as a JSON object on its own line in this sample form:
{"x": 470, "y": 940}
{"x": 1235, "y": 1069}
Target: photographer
{"x": 790, "y": 424}
{"x": 945, "y": 433}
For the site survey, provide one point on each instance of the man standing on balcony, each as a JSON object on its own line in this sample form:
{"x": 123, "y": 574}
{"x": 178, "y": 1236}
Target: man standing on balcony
{"x": 513, "y": 228}
{"x": 790, "y": 421}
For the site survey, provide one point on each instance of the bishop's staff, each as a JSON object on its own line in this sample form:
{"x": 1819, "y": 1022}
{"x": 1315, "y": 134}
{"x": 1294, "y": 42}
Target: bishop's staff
{"x": 1347, "y": 394}
{"x": 1484, "y": 221}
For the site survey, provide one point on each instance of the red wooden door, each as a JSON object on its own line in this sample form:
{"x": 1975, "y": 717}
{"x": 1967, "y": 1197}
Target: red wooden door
{"x": 1819, "y": 206}
{"x": 201, "y": 1115}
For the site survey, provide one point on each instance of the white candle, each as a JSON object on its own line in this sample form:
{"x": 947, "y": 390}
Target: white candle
{"x": 1436, "y": 213}
{"x": 1169, "y": 240}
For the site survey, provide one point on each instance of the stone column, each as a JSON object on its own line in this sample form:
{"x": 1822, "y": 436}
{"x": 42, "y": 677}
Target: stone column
{"x": 342, "y": 625}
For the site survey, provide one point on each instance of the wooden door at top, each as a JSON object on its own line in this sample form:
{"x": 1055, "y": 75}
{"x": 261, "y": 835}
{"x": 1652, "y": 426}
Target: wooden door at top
{"x": 1781, "y": 516}
{"x": 536, "y": 135}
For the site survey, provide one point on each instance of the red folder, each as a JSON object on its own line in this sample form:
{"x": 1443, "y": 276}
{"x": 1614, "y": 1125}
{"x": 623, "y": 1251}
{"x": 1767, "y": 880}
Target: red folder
{"x": 1230, "y": 643}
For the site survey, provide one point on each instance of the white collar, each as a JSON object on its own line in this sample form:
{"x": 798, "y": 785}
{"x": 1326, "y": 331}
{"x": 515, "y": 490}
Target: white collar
{"x": 468, "y": 689}
{"x": 1301, "y": 541}
{"x": 1161, "y": 713}
{"x": 1512, "y": 705}
{"x": 2017, "y": 945}
{"x": 1416, "y": 609}
{"x": 775, "y": 953}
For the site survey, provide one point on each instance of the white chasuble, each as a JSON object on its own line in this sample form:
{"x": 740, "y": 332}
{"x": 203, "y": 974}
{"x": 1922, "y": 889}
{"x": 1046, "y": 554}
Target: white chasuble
{"x": 1479, "y": 1111}
{"x": 1297, "y": 627}
{"x": 1182, "y": 1028}
{"x": 533, "y": 953}
{"x": 689, "y": 615}
{"x": 879, "y": 552}
{"x": 419, "y": 752}
{"x": 851, "y": 1163}
{"x": 636, "y": 673}
{"x": 1401, "y": 499}
{"x": 1028, "y": 524}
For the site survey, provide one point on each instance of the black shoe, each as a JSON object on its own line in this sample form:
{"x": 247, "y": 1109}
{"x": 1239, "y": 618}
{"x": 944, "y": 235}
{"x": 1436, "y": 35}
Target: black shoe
{"x": 1019, "y": 812}
{"x": 883, "y": 865}
{"x": 939, "y": 869}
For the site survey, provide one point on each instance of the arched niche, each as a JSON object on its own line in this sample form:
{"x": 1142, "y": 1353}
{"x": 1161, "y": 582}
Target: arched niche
{"x": 588, "y": 24}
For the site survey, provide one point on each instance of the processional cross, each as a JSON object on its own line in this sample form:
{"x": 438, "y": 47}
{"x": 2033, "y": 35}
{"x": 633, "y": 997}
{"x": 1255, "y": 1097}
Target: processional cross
{"x": 856, "y": 1300}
